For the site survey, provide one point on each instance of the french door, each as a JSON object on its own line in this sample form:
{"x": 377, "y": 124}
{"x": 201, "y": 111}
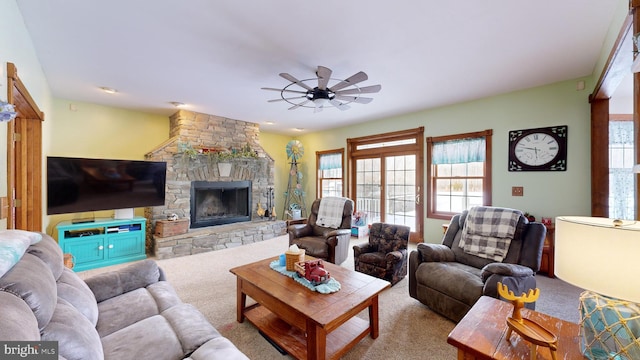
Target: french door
{"x": 386, "y": 176}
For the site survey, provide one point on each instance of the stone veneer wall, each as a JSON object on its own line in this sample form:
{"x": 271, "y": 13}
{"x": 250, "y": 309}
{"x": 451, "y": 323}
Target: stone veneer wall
{"x": 202, "y": 130}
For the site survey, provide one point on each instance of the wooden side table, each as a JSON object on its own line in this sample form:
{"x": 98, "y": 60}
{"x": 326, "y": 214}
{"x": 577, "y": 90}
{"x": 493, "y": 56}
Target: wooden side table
{"x": 548, "y": 252}
{"x": 481, "y": 334}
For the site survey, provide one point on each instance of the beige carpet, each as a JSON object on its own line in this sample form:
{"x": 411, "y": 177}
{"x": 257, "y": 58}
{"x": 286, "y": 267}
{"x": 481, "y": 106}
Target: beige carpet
{"x": 408, "y": 329}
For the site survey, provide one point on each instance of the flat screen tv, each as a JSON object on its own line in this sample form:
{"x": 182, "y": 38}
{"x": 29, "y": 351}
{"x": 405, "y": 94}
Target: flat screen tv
{"x": 76, "y": 185}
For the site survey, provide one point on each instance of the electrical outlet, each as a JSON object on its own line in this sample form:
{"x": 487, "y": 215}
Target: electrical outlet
{"x": 517, "y": 191}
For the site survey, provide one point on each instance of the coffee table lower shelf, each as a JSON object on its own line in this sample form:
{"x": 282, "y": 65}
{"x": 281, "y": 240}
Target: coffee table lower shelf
{"x": 293, "y": 340}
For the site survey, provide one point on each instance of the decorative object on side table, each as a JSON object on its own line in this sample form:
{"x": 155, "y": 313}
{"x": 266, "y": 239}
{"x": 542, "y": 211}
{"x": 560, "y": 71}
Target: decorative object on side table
{"x": 600, "y": 255}
{"x": 539, "y": 149}
{"x": 530, "y": 331}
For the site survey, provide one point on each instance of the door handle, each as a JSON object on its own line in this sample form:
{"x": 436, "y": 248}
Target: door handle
{"x": 100, "y": 247}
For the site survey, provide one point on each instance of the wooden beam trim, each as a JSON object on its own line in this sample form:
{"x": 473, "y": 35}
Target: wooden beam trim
{"x": 617, "y": 64}
{"x": 12, "y": 73}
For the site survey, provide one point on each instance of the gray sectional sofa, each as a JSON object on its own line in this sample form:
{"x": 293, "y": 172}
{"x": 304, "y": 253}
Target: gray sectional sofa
{"x": 132, "y": 313}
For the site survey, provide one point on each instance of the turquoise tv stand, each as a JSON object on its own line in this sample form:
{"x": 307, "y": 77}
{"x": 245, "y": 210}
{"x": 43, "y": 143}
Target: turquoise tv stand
{"x": 103, "y": 242}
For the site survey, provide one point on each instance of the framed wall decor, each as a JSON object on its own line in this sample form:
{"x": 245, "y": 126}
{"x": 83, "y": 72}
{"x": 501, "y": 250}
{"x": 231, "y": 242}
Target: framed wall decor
{"x": 539, "y": 149}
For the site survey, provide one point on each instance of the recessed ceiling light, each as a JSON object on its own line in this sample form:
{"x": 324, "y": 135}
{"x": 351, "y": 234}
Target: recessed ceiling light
{"x": 177, "y": 103}
{"x": 299, "y": 129}
{"x": 269, "y": 123}
{"x": 108, "y": 90}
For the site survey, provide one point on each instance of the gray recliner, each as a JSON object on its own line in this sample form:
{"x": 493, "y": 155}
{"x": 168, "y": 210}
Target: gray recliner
{"x": 449, "y": 280}
{"x": 322, "y": 242}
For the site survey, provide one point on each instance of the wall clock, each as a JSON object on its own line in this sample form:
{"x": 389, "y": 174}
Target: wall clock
{"x": 540, "y": 149}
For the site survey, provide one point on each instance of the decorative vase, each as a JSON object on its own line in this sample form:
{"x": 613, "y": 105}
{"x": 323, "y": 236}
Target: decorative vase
{"x": 224, "y": 169}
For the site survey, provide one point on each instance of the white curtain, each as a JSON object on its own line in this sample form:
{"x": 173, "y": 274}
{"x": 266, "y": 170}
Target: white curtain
{"x": 621, "y": 160}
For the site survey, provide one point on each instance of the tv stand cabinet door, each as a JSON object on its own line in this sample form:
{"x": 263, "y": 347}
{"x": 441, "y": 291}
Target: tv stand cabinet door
{"x": 126, "y": 245}
{"x": 88, "y": 251}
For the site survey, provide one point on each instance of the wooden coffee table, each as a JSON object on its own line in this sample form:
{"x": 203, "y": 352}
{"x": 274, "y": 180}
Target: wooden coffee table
{"x": 481, "y": 334}
{"x": 305, "y": 323}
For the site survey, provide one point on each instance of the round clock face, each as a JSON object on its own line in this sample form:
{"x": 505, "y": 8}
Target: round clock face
{"x": 536, "y": 149}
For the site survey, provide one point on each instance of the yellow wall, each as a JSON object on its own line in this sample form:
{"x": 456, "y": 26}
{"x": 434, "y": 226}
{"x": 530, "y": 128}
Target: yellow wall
{"x": 16, "y": 47}
{"x": 94, "y": 131}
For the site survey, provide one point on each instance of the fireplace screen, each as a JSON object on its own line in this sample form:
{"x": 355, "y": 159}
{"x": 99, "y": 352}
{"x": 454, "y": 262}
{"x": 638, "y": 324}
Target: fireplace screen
{"x": 220, "y": 202}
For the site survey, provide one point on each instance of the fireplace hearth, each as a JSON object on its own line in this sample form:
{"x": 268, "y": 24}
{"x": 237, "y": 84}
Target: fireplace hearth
{"x": 220, "y": 202}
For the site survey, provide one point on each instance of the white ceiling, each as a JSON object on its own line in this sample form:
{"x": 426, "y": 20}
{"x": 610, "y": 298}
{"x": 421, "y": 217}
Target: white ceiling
{"x": 216, "y": 56}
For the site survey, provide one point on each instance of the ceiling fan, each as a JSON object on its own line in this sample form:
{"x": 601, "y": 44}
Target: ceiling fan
{"x": 340, "y": 94}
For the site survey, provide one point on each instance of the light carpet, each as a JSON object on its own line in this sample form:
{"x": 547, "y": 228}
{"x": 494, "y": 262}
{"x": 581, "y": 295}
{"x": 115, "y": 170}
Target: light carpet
{"x": 408, "y": 329}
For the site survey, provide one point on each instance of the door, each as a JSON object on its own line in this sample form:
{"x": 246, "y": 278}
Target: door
{"x": 386, "y": 189}
{"x": 24, "y": 157}
{"x": 386, "y": 177}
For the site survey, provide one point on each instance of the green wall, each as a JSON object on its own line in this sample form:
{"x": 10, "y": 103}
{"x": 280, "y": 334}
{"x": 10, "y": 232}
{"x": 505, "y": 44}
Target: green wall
{"x": 546, "y": 194}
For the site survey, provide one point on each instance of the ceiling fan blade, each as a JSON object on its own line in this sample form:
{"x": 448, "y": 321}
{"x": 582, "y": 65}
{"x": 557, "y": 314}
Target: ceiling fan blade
{"x": 352, "y": 80}
{"x": 285, "y": 90}
{"x": 294, "y": 80}
{"x": 355, "y": 99}
{"x": 363, "y": 90}
{"x": 339, "y": 105}
{"x": 324, "y": 75}
{"x": 287, "y": 99}
{"x": 299, "y": 105}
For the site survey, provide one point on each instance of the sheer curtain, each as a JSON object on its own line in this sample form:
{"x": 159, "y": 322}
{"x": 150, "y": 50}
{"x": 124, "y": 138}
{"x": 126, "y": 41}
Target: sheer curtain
{"x": 621, "y": 155}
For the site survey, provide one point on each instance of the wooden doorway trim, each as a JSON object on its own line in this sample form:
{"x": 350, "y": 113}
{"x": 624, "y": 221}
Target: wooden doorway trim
{"x": 616, "y": 68}
{"x": 24, "y": 157}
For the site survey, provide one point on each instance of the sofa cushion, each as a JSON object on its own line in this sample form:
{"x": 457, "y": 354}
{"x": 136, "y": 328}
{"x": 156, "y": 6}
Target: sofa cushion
{"x": 77, "y": 338}
{"x": 191, "y": 326}
{"x": 455, "y": 280}
{"x": 151, "y": 338}
{"x": 76, "y": 292}
{"x": 31, "y": 280}
{"x": 164, "y": 295}
{"x": 50, "y": 253}
{"x": 124, "y": 310}
{"x": 17, "y": 320}
{"x": 219, "y": 348}
{"x": 135, "y": 276}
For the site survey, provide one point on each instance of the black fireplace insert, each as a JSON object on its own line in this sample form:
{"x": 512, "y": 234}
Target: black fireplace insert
{"x": 220, "y": 202}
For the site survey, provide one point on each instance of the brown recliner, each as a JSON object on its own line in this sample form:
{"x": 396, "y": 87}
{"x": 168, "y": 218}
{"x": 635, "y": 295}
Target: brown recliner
{"x": 449, "y": 280}
{"x": 385, "y": 255}
{"x": 324, "y": 243}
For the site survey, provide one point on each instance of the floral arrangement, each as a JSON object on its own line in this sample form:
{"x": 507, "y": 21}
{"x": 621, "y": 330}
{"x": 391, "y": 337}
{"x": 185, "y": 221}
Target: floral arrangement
{"x": 7, "y": 111}
{"x": 216, "y": 153}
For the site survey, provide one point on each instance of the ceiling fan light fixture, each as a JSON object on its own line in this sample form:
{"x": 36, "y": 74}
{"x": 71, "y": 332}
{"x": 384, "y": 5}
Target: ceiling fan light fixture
{"x": 324, "y": 94}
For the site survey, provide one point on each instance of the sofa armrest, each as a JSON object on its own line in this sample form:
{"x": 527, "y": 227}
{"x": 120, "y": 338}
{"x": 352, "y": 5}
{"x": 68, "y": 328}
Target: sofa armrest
{"x": 298, "y": 231}
{"x": 137, "y": 275}
{"x": 363, "y": 248}
{"x": 503, "y": 269}
{"x": 435, "y": 253}
{"x": 394, "y": 257}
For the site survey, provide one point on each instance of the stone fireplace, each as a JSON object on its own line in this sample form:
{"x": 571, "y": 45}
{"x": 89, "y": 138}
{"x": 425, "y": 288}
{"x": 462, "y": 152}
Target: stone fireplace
{"x": 222, "y": 218}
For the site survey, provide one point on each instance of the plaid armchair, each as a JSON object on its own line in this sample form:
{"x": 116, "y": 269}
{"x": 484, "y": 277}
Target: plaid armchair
{"x": 385, "y": 255}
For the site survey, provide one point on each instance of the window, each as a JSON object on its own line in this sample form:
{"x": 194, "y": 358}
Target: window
{"x": 329, "y": 172}
{"x": 621, "y": 177}
{"x": 459, "y": 173}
